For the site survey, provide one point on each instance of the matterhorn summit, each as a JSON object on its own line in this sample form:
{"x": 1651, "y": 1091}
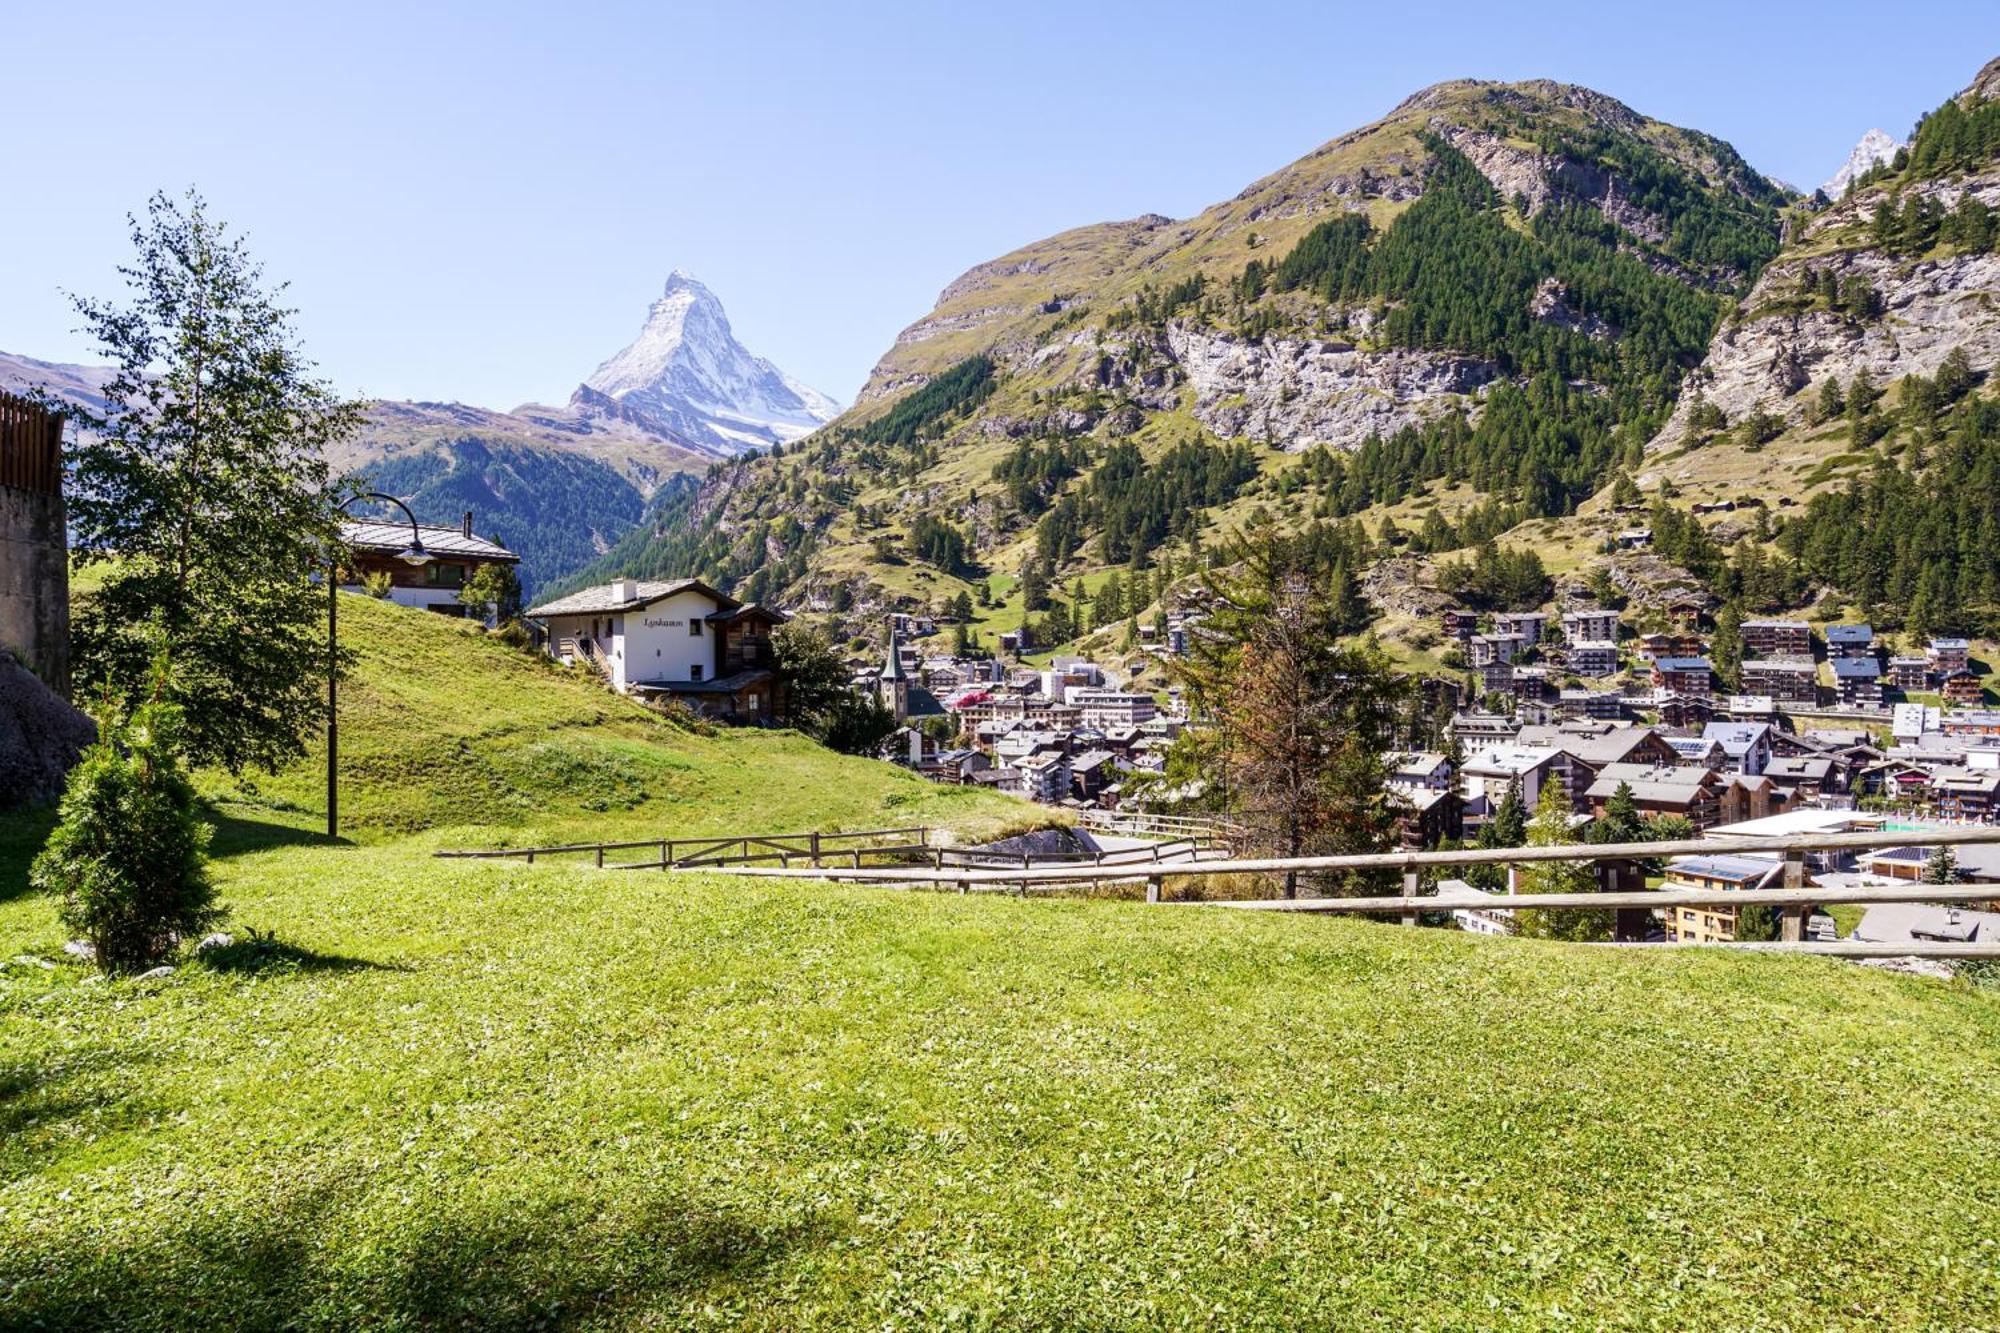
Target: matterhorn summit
{"x": 1875, "y": 146}
{"x": 686, "y": 376}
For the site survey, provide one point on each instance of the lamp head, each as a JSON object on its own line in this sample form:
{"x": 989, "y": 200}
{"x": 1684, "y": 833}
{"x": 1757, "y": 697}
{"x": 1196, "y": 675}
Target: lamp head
{"x": 414, "y": 553}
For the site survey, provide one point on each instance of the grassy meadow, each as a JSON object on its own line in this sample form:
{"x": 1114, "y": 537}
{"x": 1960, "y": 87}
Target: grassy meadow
{"x": 420, "y": 1093}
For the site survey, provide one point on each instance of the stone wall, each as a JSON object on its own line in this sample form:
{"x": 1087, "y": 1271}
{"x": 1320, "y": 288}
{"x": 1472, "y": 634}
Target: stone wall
{"x": 34, "y": 584}
{"x": 34, "y": 543}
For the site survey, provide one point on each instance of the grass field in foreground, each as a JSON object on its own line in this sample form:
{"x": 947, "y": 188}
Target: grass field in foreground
{"x": 492, "y": 1095}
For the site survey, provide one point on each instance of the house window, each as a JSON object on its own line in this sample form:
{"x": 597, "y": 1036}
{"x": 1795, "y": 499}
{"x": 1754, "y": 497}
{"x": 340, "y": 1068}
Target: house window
{"x": 694, "y": 627}
{"x": 754, "y": 701}
{"x": 445, "y": 576}
{"x": 694, "y": 672}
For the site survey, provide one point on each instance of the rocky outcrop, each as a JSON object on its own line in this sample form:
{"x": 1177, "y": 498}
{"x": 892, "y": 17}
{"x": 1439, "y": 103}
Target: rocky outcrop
{"x": 41, "y": 737}
{"x": 1301, "y": 392}
{"x": 1762, "y": 361}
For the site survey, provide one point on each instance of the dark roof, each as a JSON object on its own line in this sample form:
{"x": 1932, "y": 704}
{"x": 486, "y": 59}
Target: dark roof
{"x": 604, "y": 597}
{"x": 748, "y": 611}
{"x": 1861, "y": 668}
{"x": 1682, "y": 664}
{"x": 393, "y": 538}
{"x": 1850, "y": 633}
{"x": 720, "y": 685}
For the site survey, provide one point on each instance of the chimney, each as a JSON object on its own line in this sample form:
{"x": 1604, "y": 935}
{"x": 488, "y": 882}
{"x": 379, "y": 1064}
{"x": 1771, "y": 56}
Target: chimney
{"x": 468, "y": 523}
{"x": 625, "y": 589}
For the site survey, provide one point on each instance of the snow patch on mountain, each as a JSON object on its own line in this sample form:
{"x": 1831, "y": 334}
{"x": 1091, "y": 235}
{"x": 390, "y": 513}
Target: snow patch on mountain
{"x": 1875, "y": 146}
{"x": 687, "y": 376}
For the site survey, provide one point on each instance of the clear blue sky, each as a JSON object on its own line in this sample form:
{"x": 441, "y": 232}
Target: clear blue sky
{"x": 477, "y": 202}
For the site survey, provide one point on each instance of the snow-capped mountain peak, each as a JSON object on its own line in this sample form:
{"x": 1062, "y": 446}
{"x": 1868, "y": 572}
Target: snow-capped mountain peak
{"x": 1875, "y": 146}
{"x": 687, "y": 376}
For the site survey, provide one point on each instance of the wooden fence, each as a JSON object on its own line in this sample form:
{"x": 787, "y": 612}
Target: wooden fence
{"x": 849, "y": 852}
{"x": 1141, "y": 824}
{"x": 1613, "y": 860}
{"x": 736, "y": 849}
{"x": 30, "y": 446}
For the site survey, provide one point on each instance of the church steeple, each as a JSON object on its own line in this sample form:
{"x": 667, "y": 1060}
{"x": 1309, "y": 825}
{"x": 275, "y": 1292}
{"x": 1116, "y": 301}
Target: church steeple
{"x": 892, "y": 684}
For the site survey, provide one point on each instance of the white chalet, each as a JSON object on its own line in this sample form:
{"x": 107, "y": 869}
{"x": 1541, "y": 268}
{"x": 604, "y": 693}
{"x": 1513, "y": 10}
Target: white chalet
{"x": 682, "y": 638}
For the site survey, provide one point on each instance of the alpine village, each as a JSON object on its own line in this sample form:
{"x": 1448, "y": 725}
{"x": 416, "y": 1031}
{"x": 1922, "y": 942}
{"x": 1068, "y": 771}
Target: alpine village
{"x": 1417, "y": 749}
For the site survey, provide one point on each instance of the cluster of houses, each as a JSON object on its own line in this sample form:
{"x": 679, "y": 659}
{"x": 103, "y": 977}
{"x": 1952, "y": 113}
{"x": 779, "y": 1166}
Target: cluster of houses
{"x": 1579, "y": 664}
{"x": 1886, "y": 863}
{"x": 1064, "y": 734}
{"x": 1073, "y": 733}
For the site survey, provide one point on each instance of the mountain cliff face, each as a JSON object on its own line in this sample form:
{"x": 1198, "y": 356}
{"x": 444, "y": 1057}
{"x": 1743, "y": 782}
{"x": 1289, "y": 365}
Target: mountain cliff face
{"x": 1881, "y": 284}
{"x": 1521, "y": 274}
{"x": 687, "y": 377}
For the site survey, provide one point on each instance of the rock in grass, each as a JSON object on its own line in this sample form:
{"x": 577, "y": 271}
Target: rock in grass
{"x": 81, "y": 949}
{"x": 155, "y": 974}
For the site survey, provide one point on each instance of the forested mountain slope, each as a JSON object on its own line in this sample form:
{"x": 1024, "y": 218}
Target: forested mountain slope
{"x": 1501, "y": 285}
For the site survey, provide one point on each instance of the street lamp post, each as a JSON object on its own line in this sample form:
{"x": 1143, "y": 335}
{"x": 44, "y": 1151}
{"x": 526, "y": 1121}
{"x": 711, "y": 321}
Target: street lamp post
{"x": 413, "y": 554}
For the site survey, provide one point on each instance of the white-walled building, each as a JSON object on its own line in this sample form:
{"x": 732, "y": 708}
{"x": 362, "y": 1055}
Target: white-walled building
{"x": 1114, "y": 708}
{"x": 681, "y": 638}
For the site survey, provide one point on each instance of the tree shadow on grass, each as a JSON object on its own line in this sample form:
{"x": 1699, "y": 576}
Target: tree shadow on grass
{"x": 255, "y": 952}
{"x": 22, "y": 833}
{"x": 310, "y": 1262}
{"x": 236, "y": 836}
{"x": 46, "y": 1102}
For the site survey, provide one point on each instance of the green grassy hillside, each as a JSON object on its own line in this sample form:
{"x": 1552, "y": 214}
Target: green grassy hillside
{"x": 422, "y": 1092}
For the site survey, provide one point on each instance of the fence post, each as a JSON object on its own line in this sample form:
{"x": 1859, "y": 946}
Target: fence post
{"x": 815, "y": 849}
{"x": 531, "y": 856}
{"x": 1413, "y": 883}
{"x": 1154, "y": 886}
{"x": 1792, "y": 920}
{"x": 600, "y": 856}
{"x": 665, "y": 845}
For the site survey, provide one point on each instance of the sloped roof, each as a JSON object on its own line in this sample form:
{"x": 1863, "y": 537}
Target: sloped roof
{"x": 393, "y": 538}
{"x": 605, "y": 597}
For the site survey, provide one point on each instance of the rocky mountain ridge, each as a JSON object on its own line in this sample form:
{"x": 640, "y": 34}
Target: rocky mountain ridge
{"x": 687, "y": 377}
{"x": 1925, "y": 305}
{"x": 559, "y": 484}
{"x": 1875, "y": 146}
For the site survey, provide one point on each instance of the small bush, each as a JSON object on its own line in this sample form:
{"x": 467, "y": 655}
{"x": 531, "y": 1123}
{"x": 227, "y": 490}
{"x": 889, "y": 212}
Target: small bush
{"x": 128, "y": 854}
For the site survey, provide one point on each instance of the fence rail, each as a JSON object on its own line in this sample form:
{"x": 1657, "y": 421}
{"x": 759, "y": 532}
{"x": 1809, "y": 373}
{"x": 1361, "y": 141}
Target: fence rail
{"x": 1790, "y": 901}
{"x": 728, "y": 850}
{"x": 1141, "y": 824}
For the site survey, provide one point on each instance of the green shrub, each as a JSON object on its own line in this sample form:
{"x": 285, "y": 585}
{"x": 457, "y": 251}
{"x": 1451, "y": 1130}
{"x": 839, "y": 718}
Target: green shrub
{"x": 127, "y": 857}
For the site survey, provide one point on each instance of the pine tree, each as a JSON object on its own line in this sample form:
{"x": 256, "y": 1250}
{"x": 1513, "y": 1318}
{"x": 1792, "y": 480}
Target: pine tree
{"x": 203, "y": 485}
{"x": 1725, "y": 647}
{"x": 1941, "y": 867}
{"x": 1551, "y": 828}
{"x": 1507, "y": 827}
{"x": 1302, "y": 721}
